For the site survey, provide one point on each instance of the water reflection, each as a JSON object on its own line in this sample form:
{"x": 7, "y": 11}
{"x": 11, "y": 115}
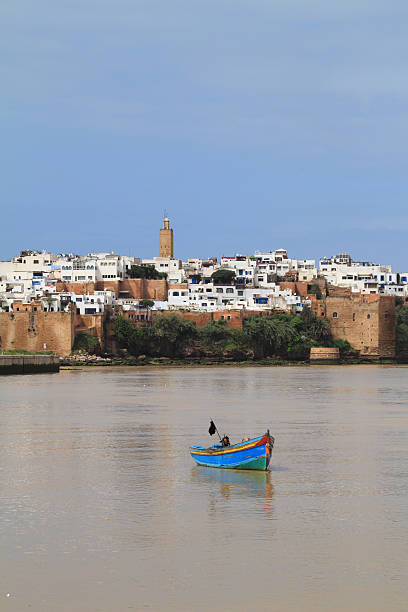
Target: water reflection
{"x": 102, "y": 508}
{"x": 240, "y": 486}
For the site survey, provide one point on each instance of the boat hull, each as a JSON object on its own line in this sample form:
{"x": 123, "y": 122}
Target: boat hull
{"x": 252, "y": 454}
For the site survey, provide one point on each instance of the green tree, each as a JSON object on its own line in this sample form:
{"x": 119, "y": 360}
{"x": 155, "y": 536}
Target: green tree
{"x": 345, "y": 348}
{"x": 401, "y": 330}
{"x": 317, "y": 327}
{"x": 269, "y": 336}
{"x": 171, "y": 335}
{"x": 223, "y": 275}
{"x": 213, "y": 332}
{"x": 146, "y": 303}
{"x": 129, "y": 336}
{"x": 146, "y": 271}
{"x": 3, "y": 304}
{"x": 87, "y": 342}
{"x": 315, "y": 290}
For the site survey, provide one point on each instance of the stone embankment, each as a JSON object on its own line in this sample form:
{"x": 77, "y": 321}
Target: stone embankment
{"x": 28, "y": 364}
{"x": 320, "y": 355}
{"x": 81, "y": 358}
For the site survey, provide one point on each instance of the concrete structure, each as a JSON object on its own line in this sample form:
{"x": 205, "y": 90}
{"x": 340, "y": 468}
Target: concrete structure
{"x": 166, "y": 240}
{"x": 367, "y": 322}
{"x": 37, "y": 331}
{"x": 278, "y": 263}
{"x": 28, "y": 364}
{"x": 361, "y": 276}
{"x": 210, "y": 297}
{"x": 324, "y": 355}
{"x": 232, "y": 318}
{"x": 172, "y": 267}
{"x": 93, "y": 267}
{"x": 136, "y": 288}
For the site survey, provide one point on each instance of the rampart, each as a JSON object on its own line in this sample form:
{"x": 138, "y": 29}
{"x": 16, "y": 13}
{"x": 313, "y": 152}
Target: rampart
{"x": 91, "y": 324}
{"x": 37, "y": 331}
{"x": 136, "y": 288}
{"x": 233, "y": 318}
{"x": 367, "y": 322}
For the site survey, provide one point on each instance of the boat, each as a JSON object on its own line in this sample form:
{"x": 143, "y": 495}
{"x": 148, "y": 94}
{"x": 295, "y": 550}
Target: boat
{"x": 250, "y": 454}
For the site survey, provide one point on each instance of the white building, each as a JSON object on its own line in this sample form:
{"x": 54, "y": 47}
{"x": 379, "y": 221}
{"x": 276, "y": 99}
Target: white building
{"x": 278, "y": 264}
{"x": 359, "y": 276}
{"x": 395, "y": 289}
{"x": 93, "y": 267}
{"x": 93, "y": 303}
{"x": 209, "y": 297}
{"x": 172, "y": 267}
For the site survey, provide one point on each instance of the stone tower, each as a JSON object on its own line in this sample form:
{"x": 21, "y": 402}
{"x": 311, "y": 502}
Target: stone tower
{"x": 166, "y": 240}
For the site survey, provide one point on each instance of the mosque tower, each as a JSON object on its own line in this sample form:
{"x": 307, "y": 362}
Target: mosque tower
{"x": 166, "y": 240}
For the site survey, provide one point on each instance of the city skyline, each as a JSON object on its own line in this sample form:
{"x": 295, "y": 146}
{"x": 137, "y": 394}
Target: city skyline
{"x": 257, "y": 125}
{"x": 219, "y": 255}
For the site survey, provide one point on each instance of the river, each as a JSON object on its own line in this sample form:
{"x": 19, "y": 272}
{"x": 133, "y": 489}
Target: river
{"x": 103, "y": 510}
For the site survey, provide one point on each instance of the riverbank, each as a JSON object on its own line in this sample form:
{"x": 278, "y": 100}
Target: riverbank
{"x": 92, "y": 360}
{"x": 29, "y": 364}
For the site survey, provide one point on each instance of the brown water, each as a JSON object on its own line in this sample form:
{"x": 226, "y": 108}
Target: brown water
{"x": 102, "y": 508}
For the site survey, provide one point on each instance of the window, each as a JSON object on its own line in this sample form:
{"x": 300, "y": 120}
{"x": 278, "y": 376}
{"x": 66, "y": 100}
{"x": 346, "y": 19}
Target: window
{"x": 175, "y": 293}
{"x": 229, "y": 290}
{"x": 229, "y": 318}
{"x": 219, "y": 290}
{"x": 368, "y": 316}
{"x": 36, "y": 261}
{"x": 334, "y": 315}
{"x": 240, "y": 292}
{"x": 354, "y": 316}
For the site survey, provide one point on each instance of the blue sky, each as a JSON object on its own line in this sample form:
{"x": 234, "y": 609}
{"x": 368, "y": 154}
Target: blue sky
{"x": 256, "y": 124}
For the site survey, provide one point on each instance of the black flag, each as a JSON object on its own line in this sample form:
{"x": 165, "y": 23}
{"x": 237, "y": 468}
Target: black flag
{"x": 212, "y": 429}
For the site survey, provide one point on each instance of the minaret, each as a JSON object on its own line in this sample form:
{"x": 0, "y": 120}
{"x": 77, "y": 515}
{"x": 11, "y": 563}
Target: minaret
{"x": 166, "y": 240}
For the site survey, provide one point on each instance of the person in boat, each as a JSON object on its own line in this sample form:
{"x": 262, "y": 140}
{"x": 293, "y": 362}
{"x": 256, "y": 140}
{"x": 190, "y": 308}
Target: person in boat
{"x": 225, "y": 441}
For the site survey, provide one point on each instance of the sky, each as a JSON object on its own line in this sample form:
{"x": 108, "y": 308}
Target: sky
{"x": 256, "y": 124}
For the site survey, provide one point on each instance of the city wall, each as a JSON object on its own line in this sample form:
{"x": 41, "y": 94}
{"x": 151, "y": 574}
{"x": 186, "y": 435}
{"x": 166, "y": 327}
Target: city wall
{"x": 367, "y": 322}
{"x": 37, "y": 331}
{"x": 136, "y": 288}
{"x": 233, "y": 318}
{"x": 90, "y": 324}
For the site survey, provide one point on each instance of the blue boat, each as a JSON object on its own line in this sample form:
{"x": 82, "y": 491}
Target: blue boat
{"x": 251, "y": 454}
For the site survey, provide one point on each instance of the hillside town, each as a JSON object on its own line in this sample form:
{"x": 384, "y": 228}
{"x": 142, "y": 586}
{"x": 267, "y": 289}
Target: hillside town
{"x": 47, "y": 299}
